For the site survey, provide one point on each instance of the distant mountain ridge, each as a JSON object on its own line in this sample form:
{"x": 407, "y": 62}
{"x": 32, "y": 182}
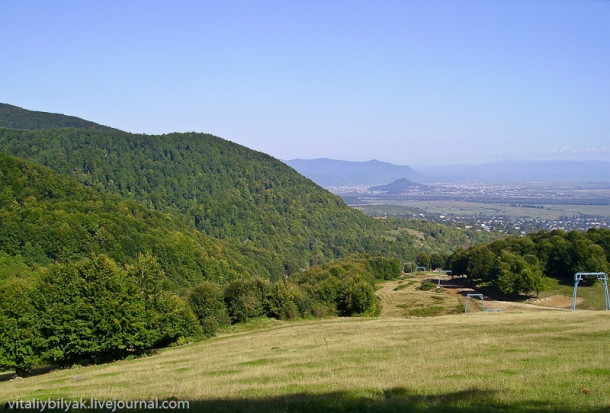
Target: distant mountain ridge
{"x": 15, "y": 117}
{"x": 524, "y": 171}
{"x": 331, "y": 172}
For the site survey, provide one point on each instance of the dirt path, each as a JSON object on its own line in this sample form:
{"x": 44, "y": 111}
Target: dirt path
{"x": 399, "y": 296}
{"x": 555, "y": 302}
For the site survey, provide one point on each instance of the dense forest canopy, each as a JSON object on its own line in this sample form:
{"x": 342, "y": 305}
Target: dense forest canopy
{"x": 224, "y": 190}
{"x": 17, "y": 118}
{"x": 46, "y": 217}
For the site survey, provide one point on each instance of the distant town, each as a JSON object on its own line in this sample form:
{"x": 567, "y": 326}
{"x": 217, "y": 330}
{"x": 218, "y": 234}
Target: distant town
{"x": 507, "y": 208}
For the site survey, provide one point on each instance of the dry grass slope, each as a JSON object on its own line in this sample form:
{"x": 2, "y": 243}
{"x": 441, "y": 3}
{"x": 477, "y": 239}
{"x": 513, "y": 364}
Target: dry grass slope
{"x": 542, "y": 361}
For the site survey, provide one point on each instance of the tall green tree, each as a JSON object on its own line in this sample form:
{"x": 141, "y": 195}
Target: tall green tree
{"x": 95, "y": 310}
{"x": 423, "y": 259}
{"x": 20, "y": 340}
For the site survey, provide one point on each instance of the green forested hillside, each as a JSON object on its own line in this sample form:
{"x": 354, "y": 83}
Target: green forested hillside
{"x": 223, "y": 189}
{"x": 46, "y": 217}
{"x": 84, "y": 275}
{"x": 17, "y": 118}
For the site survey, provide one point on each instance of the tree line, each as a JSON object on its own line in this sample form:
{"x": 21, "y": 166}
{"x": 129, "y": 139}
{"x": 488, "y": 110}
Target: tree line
{"x": 95, "y": 310}
{"x": 518, "y": 265}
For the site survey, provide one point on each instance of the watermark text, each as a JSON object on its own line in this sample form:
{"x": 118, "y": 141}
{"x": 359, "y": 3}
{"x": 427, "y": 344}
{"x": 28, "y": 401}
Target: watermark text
{"x": 67, "y": 405}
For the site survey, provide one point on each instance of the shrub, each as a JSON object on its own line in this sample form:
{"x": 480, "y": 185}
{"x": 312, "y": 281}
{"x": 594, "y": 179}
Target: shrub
{"x": 207, "y": 302}
{"x": 358, "y": 298}
{"x": 281, "y": 301}
{"x": 175, "y": 319}
{"x": 426, "y": 286}
{"x": 244, "y": 298}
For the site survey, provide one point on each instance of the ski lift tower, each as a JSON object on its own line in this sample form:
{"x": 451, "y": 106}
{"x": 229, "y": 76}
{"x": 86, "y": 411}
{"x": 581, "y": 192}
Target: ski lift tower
{"x": 441, "y": 272}
{"x": 602, "y": 276}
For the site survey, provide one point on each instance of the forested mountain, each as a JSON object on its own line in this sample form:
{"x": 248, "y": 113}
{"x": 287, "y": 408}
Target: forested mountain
{"x": 84, "y": 275}
{"x": 223, "y": 189}
{"x": 46, "y": 217}
{"x": 17, "y": 118}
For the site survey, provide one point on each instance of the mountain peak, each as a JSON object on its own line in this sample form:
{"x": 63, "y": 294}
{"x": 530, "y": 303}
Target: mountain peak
{"x": 399, "y": 186}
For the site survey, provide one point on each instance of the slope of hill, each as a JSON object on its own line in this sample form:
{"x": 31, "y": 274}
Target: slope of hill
{"x": 480, "y": 362}
{"x": 331, "y": 172}
{"x": 17, "y": 118}
{"x": 46, "y": 217}
{"x": 223, "y": 189}
{"x": 399, "y": 186}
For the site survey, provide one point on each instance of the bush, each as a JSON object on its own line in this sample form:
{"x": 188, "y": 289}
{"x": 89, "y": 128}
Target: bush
{"x": 358, "y": 298}
{"x": 244, "y": 299}
{"x": 426, "y": 286}
{"x": 281, "y": 301}
{"x": 175, "y": 320}
{"x": 207, "y": 302}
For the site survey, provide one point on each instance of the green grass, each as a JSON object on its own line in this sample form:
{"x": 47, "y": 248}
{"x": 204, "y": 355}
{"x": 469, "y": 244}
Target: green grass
{"x": 543, "y": 361}
{"x": 592, "y": 296}
{"x": 403, "y": 286}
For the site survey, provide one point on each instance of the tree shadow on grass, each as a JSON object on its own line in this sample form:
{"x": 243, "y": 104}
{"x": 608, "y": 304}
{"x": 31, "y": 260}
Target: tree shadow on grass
{"x": 10, "y": 375}
{"x": 398, "y": 399}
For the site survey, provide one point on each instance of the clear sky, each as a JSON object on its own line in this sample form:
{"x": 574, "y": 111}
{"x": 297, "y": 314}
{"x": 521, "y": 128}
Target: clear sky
{"x": 408, "y": 82}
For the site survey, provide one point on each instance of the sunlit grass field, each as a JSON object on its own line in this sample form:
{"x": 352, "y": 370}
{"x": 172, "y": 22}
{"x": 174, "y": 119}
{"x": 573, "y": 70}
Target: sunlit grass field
{"x": 542, "y": 361}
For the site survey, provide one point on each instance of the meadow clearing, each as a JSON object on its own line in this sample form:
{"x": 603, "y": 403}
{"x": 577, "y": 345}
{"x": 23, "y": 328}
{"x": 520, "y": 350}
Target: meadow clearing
{"x": 533, "y": 361}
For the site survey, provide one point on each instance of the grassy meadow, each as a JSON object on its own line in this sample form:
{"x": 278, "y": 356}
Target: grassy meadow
{"x": 542, "y": 361}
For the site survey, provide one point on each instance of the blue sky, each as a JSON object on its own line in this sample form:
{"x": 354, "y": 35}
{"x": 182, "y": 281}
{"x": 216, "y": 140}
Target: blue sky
{"x": 410, "y": 82}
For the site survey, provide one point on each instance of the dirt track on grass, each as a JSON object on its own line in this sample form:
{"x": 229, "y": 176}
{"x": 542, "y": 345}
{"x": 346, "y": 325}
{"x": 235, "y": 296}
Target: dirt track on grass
{"x": 397, "y": 295}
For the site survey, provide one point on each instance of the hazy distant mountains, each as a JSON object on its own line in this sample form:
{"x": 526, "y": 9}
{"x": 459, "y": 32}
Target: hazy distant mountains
{"x": 522, "y": 171}
{"x": 331, "y": 172}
